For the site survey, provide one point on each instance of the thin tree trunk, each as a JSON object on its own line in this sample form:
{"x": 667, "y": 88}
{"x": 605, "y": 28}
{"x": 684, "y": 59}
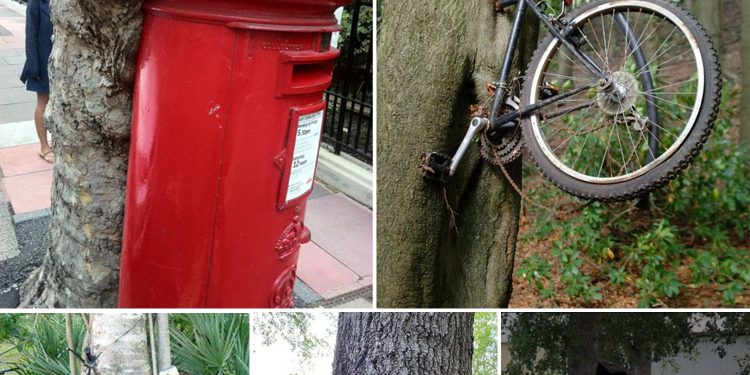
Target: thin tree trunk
{"x": 745, "y": 104}
{"x": 153, "y": 345}
{"x": 121, "y": 343}
{"x": 404, "y": 344}
{"x": 72, "y": 361}
{"x": 91, "y": 70}
{"x": 435, "y": 60}
{"x": 165, "y": 352}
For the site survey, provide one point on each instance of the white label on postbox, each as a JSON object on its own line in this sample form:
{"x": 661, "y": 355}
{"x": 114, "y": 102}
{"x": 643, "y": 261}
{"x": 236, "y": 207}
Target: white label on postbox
{"x": 305, "y": 155}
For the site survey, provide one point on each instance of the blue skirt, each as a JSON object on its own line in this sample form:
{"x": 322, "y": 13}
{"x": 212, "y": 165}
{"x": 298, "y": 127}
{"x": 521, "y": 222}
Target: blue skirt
{"x": 39, "y": 85}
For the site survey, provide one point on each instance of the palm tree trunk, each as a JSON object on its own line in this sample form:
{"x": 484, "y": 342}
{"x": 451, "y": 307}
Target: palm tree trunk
{"x": 91, "y": 69}
{"x": 120, "y": 341}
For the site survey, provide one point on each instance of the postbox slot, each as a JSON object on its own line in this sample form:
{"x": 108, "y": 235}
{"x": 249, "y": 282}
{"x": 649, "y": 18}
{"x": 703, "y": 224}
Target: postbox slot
{"x": 306, "y": 72}
{"x": 313, "y": 76}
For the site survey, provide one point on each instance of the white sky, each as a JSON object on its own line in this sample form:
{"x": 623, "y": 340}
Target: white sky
{"x": 278, "y": 358}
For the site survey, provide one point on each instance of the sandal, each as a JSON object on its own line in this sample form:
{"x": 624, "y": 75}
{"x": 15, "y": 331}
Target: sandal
{"x": 48, "y": 156}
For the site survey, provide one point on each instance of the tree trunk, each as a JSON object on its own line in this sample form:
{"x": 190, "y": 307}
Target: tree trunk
{"x": 404, "y": 344}
{"x": 434, "y": 60}
{"x": 165, "y": 351}
{"x": 91, "y": 69}
{"x": 641, "y": 366}
{"x": 586, "y": 343}
{"x": 745, "y": 104}
{"x": 121, "y": 343}
{"x": 711, "y": 15}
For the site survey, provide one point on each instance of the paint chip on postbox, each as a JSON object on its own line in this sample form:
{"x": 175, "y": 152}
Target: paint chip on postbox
{"x": 305, "y": 156}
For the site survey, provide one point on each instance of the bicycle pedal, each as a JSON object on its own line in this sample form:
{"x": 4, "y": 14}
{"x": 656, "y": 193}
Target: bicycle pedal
{"x": 435, "y": 167}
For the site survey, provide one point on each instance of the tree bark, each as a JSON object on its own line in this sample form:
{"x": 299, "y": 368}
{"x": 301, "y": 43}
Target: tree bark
{"x": 434, "y": 60}
{"x": 404, "y": 344}
{"x": 586, "y": 343}
{"x": 641, "y": 366}
{"x": 745, "y": 99}
{"x": 121, "y": 343}
{"x": 711, "y": 15}
{"x": 91, "y": 69}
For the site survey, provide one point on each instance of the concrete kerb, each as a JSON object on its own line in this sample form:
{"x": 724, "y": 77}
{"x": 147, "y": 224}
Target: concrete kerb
{"x": 347, "y": 175}
{"x": 8, "y": 240}
{"x": 20, "y": 218}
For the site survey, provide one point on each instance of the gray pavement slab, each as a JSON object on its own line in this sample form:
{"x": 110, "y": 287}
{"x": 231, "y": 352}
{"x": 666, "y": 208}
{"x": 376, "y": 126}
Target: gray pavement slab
{"x": 10, "y": 70}
{"x": 8, "y": 80}
{"x": 5, "y": 12}
{"x": 5, "y": 52}
{"x": 18, "y": 133}
{"x": 15, "y": 60}
{"x": 357, "y": 303}
{"x": 16, "y": 95}
{"x": 319, "y": 191}
{"x": 304, "y": 295}
{"x": 17, "y": 112}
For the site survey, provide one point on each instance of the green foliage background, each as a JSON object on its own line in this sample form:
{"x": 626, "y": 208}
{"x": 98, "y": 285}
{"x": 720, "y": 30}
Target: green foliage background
{"x": 699, "y": 226}
{"x": 484, "y": 361}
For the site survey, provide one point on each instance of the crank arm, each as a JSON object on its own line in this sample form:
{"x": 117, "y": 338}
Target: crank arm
{"x": 439, "y": 167}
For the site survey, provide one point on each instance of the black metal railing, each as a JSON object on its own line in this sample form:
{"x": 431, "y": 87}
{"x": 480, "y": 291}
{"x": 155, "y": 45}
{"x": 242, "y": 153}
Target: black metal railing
{"x": 348, "y": 123}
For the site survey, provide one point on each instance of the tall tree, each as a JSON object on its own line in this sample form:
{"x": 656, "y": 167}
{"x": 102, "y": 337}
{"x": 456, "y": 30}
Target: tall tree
{"x": 404, "y": 343}
{"x": 92, "y": 71}
{"x": 120, "y": 341}
{"x": 544, "y": 343}
{"x": 435, "y": 59}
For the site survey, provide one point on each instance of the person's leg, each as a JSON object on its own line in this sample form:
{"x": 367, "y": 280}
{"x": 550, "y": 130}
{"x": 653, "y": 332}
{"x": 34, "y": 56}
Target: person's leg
{"x": 41, "y": 130}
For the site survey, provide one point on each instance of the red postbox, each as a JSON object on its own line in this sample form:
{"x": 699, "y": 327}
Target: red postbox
{"x": 227, "y": 118}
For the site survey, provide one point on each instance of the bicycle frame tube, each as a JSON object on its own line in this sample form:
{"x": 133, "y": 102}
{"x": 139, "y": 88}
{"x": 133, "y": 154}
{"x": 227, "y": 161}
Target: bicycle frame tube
{"x": 513, "y": 43}
{"x": 508, "y": 60}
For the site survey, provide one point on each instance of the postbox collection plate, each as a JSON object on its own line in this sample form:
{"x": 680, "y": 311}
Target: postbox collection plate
{"x": 301, "y": 156}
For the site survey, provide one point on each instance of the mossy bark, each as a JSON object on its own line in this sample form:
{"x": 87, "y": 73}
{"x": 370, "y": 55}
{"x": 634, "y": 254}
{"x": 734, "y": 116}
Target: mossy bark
{"x": 91, "y": 76}
{"x": 434, "y": 60}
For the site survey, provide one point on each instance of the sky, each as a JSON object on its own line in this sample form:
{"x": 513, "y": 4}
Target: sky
{"x": 279, "y": 359}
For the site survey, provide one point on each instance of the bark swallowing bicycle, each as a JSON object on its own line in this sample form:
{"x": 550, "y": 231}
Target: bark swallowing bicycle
{"x": 616, "y": 102}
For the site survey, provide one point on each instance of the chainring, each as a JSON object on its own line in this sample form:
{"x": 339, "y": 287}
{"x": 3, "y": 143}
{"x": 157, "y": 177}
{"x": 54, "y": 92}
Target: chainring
{"x": 502, "y": 147}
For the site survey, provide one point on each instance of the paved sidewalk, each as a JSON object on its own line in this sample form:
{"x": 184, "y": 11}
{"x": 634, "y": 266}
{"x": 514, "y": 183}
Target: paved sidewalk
{"x": 335, "y": 268}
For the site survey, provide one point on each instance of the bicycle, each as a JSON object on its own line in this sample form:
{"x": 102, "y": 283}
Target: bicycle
{"x": 616, "y": 101}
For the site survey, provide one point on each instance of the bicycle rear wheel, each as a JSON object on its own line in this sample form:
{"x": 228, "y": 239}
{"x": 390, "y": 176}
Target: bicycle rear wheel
{"x": 636, "y": 130}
